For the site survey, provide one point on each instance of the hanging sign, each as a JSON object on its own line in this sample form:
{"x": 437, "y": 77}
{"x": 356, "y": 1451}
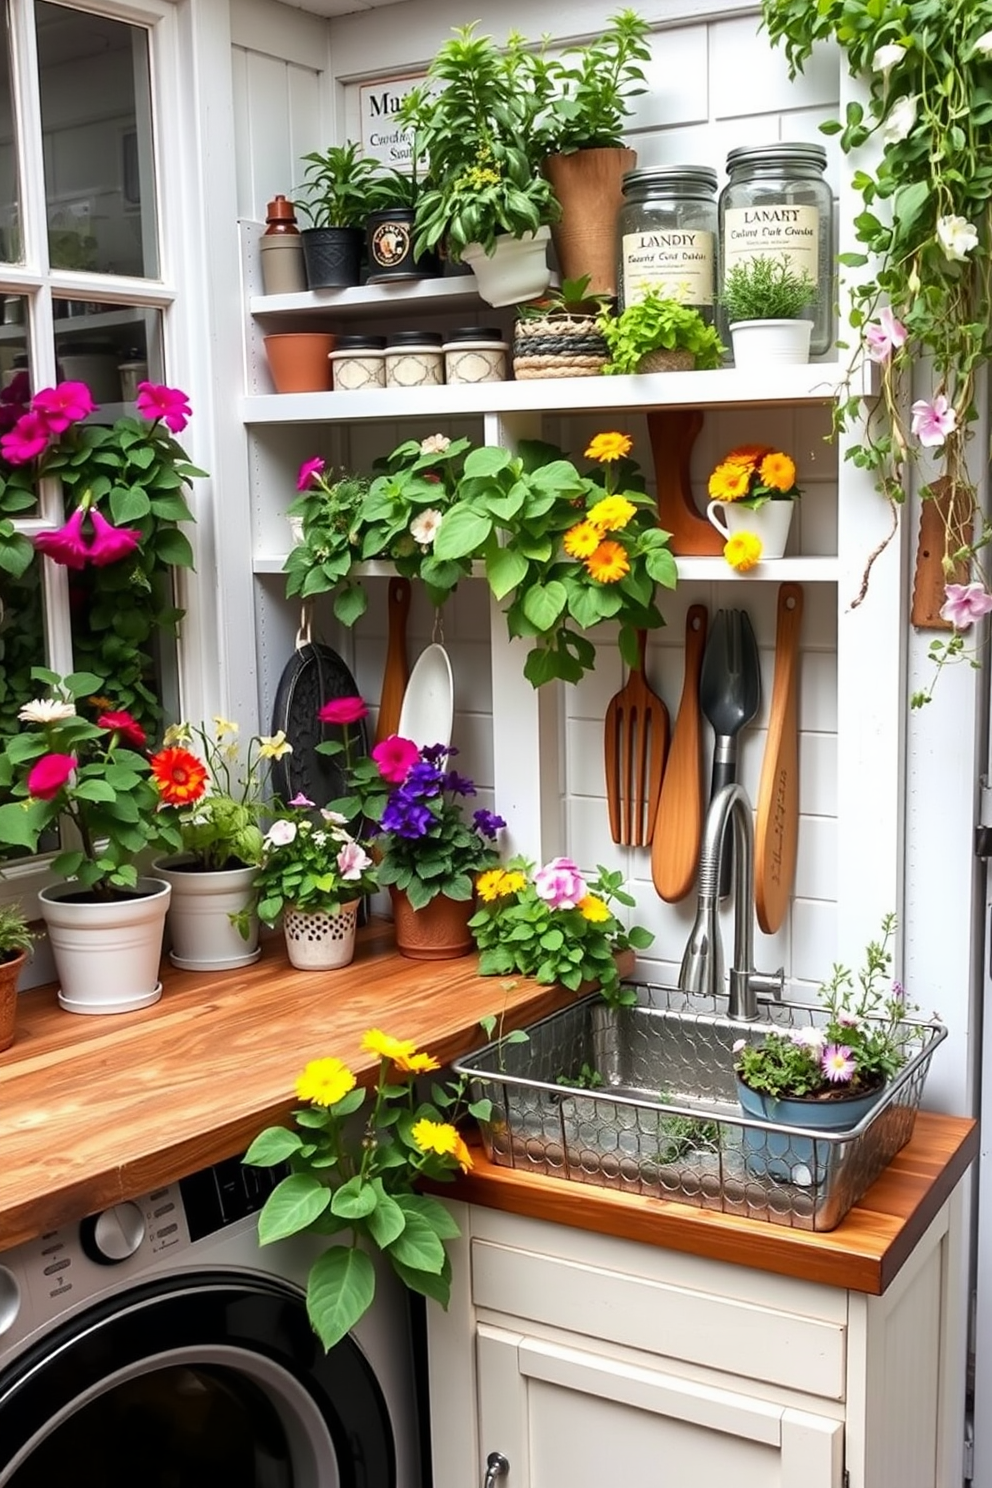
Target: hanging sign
{"x": 383, "y": 138}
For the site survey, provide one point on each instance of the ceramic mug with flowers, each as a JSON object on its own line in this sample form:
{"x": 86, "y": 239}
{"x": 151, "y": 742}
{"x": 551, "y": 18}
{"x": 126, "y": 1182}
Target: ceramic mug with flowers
{"x": 753, "y": 493}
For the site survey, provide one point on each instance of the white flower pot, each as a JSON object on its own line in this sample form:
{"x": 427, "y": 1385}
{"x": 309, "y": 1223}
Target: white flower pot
{"x": 766, "y": 343}
{"x": 319, "y": 939}
{"x": 516, "y": 270}
{"x": 199, "y": 921}
{"x": 107, "y": 953}
{"x": 770, "y": 523}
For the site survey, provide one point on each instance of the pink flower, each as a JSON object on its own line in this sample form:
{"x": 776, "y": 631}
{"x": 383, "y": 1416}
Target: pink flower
{"x": 308, "y": 470}
{"x": 27, "y": 438}
{"x": 129, "y": 728}
{"x": 280, "y": 834}
{"x": 110, "y": 543}
{"x": 884, "y": 335}
{"x": 66, "y": 546}
{"x": 353, "y": 861}
{"x": 64, "y": 405}
{"x": 933, "y": 421}
{"x": 395, "y": 757}
{"x": 838, "y": 1063}
{"x": 48, "y": 775}
{"x": 301, "y": 800}
{"x": 343, "y": 710}
{"x": 171, "y": 405}
{"x": 964, "y": 604}
{"x": 560, "y": 883}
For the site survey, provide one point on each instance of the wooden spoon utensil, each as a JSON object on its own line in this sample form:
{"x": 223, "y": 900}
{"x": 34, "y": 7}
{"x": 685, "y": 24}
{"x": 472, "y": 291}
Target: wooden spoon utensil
{"x": 777, "y": 830}
{"x": 636, "y": 742}
{"x": 679, "y": 821}
{"x": 396, "y": 673}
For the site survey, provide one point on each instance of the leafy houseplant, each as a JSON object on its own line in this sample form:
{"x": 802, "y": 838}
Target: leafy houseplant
{"x": 554, "y": 925}
{"x": 750, "y": 487}
{"x": 766, "y": 288}
{"x": 585, "y": 90}
{"x": 15, "y": 942}
{"x": 334, "y": 201}
{"x": 311, "y": 863}
{"x": 354, "y": 1173}
{"x": 557, "y": 335}
{"x": 657, "y": 325}
{"x": 390, "y": 217}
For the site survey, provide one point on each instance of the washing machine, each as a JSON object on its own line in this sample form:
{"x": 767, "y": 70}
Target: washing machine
{"x": 157, "y": 1344}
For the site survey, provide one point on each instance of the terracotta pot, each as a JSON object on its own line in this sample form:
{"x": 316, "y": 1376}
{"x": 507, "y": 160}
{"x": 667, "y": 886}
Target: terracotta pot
{"x": 298, "y": 361}
{"x": 9, "y": 972}
{"x": 437, "y": 933}
{"x": 589, "y": 186}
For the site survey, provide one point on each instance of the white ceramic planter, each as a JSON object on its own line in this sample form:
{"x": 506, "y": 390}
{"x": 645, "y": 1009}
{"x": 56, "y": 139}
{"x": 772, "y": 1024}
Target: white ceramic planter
{"x": 516, "y": 270}
{"x": 770, "y": 343}
{"x": 202, "y": 935}
{"x": 106, "y": 954}
{"x": 320, "y": 940}
{"x": 770, "y": 523}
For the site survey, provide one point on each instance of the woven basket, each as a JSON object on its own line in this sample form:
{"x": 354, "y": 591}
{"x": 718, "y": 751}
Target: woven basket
{"x": 558, "y": 346}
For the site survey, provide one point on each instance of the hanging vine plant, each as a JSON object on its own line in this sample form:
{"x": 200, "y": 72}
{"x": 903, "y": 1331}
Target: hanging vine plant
{"x": 926, "y": 230}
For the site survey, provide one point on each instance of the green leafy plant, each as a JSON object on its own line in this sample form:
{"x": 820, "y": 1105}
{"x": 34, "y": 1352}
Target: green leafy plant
{"x": 767, "y": 289}
{"x": 586, "y": 1078}
{"x": 679, "y": 1136}
{"x": 571, "y": 297}
{"x": 15, "y": 937}
{"x": 656, "y": 323}
{"x": 336, "y": 186}
{"x": 585, "y": 92}
{"x": 389, "y": 189}
{"x": 310, "y": 861}
{"x": 554, "y": 925}
{"x": 355, "y": 1158}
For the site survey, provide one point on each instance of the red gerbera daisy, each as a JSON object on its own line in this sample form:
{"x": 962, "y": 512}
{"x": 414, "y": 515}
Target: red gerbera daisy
{"x": 179, "y": 775}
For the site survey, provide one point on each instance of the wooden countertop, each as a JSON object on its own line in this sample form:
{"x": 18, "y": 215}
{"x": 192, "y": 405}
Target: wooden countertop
{"x": 94, "y": 1110}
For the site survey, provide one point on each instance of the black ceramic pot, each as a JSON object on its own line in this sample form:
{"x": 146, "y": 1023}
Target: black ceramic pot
{"x": 389, "y": 248}
{"x": 333, "y": 256}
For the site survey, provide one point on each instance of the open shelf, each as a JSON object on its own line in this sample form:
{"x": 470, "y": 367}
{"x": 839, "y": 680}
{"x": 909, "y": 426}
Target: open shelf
{"x": 710, "y": 570}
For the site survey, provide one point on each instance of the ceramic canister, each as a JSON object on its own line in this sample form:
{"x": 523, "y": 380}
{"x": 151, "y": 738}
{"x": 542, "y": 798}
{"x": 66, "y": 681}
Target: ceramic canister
{"x": 414, "y": 359}
{"x": 474, "y": 354}
{"x": 358, "y": 363}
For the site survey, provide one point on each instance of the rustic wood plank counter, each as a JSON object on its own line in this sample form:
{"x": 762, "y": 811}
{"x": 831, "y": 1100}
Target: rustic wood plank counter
{"x": 95, "y": 1110}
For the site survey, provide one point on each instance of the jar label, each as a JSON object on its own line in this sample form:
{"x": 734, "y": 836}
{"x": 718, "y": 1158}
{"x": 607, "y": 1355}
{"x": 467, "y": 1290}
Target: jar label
{"x": 759, "y": 232}
{"x": 678, "y": 261}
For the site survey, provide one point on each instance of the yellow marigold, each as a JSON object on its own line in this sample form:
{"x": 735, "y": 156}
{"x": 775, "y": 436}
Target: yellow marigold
{"x": 417, "y": 1064}
{"x": 742, "y": 551}
{"x": 325, "y": 1082}
{"x": 611, "y": 514}
{"x": 489, "y": 885}
{"x": 609, "y": 563}
{"x": 607, "y": 447}
{"x": 593, "y": 908}
{"x": 513, "y": 881}
{"x": 729, "y": 481}
{"x": 441, "y": 1137}
{"x": 778, "y": 471}
{"x": 377, "y": 1042}
{"x": 748, "y": 454}
{"x": 582, "y": 540}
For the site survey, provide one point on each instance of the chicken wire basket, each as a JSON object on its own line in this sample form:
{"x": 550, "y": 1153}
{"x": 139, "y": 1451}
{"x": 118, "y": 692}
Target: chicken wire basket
{"x": 643, "y": 1100}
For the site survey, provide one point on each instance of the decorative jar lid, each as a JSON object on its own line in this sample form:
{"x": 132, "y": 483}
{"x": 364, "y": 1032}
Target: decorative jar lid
{"x": 360, "y": 343}
{"x": 403, "y": 339}
{"x": 474, "y": 333}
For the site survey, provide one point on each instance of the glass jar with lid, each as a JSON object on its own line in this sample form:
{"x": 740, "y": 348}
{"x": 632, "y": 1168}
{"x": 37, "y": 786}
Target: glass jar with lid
{"x": 777, "y": 204}
{"x": 667, "y": 235}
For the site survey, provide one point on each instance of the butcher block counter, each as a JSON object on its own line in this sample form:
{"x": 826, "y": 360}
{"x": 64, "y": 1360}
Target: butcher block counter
{"x": 94, "y": 1110}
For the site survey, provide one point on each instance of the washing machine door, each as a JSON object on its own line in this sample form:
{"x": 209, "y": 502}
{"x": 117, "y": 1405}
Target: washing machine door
{"x": 214, "y": 1380}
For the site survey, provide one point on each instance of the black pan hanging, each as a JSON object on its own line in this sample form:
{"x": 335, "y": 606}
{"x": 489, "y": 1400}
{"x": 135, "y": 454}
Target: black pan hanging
{"x": 313, "y": 676}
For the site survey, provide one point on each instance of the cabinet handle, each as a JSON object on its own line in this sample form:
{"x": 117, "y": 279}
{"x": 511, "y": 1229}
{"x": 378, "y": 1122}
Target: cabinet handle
{"x": 497, "y": 1466}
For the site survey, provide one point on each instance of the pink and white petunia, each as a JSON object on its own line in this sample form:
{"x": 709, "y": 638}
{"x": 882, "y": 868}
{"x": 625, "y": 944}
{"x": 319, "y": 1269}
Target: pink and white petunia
{"x": 560, "y": 883}
{"x": 353, "y": 860}
{"x": 884, "y": 335}
{"x": 964, "y": 604}
{"x": 423, "y": 528}
{"x": 280, "y": 834}
{"x": 933, "y": 420}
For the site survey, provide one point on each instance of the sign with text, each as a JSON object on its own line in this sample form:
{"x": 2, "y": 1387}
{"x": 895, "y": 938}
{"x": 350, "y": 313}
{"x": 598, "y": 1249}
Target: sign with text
{"x": 382, "y": 137}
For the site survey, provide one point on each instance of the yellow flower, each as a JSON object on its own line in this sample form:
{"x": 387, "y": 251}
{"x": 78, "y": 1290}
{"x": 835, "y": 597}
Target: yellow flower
{"x": 417, "y": 1064}
{"x": 325, "y": 1082}
{"x": 513, "y": 881}
{"x": 176, "y": 734}
{"x": 609, "y": 563}
{"x": 489, "y": 885}
{"x": 729, "y": 481}
{"x": 778, "y": 471}
{"x": 742, "y": 551}
{"x": 223, "y": 727}
{"x": 593, "y": 908}
{"x": 612, "y": 513}
{"x": 441, "y": 1137}
{"x": 607, "y": 447}
{"x": 582, "y": 540}
{"x": 275, "y": 746}
{"x": 748, "y": 454}
{"x": 377, "y": 1042}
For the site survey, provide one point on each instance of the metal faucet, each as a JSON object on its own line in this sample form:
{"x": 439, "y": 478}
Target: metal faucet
{"x": 702, "y": 968}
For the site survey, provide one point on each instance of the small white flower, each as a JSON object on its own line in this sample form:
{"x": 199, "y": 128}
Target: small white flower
{"x": 336, "y": 817}
{"x": 984, "y": 44}
{"x": 899, "y": 120}
{"x": 887, "y": 57}
{"x": 957, "y": 237}
{"x": 434, "y": 444}
{"x": 319, "y": 838}
{"x": 280, "y": 834}
{"x": 807, "y": 1038}
{"x": 47, "y": 710}
{"x": 423, "y": 529}
{"x": 738, "y": 1045}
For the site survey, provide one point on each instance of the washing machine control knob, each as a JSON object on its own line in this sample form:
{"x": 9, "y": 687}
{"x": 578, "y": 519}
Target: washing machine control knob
{"x": 113, "y": 1235}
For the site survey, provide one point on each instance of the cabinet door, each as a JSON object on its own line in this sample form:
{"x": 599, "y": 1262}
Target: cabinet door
{"x": 565, "y": 1416}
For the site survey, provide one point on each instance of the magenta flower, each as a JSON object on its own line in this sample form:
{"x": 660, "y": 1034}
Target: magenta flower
{"x": 343, "y": 710}
{"x": 560, "y": 884}
{"x": 353, "y": 861}
{"x": 66, "y": 546}
{"x": 395, "y": 757}
{"x": 965, "y": 603}
{"x": 933, "y": 421}
{"x": 301, "y": 800}
{"x": 64, "y": 405}
{"x": 171, "y": 405}
{"x": 109, "y": 543}
{"x": 28, "y": 438}
{"x": 838, "y": 1063}
{"x": 308, "y": 470}
{"x": 122, "y": 723}
{"x": 884, "y": 335}
{"x": 48, "y": 775}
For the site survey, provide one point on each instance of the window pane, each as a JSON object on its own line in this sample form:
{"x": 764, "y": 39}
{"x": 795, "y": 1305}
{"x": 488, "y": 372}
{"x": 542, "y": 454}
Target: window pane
{"x": 109, "y": 347}
{"x": 97, "y": 135}
{"x": 10, "y": 245}
{"x": 22, "y": 642}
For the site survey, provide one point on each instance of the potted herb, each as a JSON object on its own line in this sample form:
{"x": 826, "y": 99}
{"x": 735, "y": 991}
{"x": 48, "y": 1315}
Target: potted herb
{"x": 335, "y": 203}
{"x": 765, "y": 301}
{"x": 557, "y": 335}
{"x": 753, "y": 493}
{"x": 15, "y": 943}
{"x": 391, "y": 203}
{"x": 657, "y": 334}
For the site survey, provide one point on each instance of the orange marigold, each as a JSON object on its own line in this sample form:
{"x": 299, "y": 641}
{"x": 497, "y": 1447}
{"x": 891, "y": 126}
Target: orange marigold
{"x": 609, "y": 562}
{"x": 582, "y": 540}
{"x": 778, "y": 471}
{"x": 748, "y": 454}
{"x": 729, "y": 482}
{"x": 181, "y": 778}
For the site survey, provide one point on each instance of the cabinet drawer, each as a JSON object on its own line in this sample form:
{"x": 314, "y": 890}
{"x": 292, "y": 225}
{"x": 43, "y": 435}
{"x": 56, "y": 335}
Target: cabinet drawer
{"x": 677, "y": 1322}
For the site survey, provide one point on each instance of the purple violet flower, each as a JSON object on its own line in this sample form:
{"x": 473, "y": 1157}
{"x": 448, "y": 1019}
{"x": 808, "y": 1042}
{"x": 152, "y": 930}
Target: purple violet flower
{"x": 405, "y": 816}
{"x": 423, "y": 779}
{"x": 459, "y": 785}
{"x": 487, "y": 823}
{"x": 434, "y": 754}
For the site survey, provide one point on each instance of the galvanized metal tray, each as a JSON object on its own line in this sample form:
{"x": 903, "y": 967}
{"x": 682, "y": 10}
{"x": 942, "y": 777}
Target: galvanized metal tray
{"x": 663, "y": 1119}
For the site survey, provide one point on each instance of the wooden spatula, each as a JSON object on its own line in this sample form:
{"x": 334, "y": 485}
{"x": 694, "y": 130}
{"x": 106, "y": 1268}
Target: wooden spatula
{"x": 636, "y": 742}
{"x": 777, "y": 830}
{"x": 679, "y": 821}
{"x": 396, "y": 673}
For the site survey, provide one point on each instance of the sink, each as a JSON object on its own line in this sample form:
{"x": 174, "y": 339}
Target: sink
{"x": 642, "y": 1099}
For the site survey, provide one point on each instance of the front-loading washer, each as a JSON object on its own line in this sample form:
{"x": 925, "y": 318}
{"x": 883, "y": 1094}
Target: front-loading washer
{"x": 158, "y": 1344}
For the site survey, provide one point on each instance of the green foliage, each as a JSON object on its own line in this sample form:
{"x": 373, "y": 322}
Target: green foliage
{"x": 312, "y": 863}
{"x": 572, "y": 297}
{"x": 656, "y": 323}
{"x": 766, "y": 289}
{"x": 587, "y": 1078}
{"x": 389, "y": 189}
{"x": 585, "y": 92}
{"x": 336, "y": 186}
{"x": 15, "y": 936}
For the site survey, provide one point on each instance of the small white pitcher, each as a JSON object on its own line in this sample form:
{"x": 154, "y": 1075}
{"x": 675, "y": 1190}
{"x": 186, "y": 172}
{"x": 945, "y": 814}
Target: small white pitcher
{"x": 769, "y": 522}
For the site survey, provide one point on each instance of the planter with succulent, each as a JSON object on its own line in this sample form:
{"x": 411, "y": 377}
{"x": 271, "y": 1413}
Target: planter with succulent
{"x": 557, "y": 335}
{"x": 16, "y": 941}
{"x": 391, "y": 210}
{"x": 334, "y": 201}
{"x": 766, "y": 304}
{"x": 657, "y": 334}
{"x": 486, "y": 202}
{"x": 753, "y": 493}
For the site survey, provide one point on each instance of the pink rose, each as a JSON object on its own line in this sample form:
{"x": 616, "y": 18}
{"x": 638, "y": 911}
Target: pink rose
{"x": 49, "y": 774}
{"x": 122, "y": 723}
{"x": 343, "y": 710}
{"x": 560, "y": 883}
